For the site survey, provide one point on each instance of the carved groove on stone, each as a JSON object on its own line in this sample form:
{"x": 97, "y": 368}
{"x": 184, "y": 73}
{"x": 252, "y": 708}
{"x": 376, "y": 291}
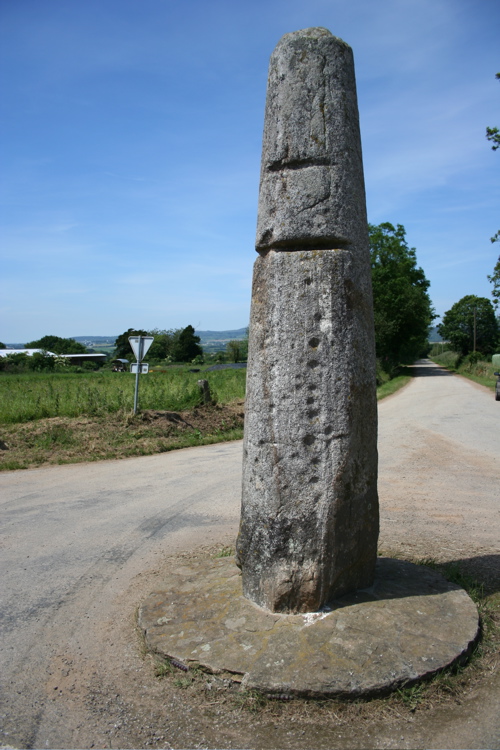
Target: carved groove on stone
{"x": 322, "y": 243}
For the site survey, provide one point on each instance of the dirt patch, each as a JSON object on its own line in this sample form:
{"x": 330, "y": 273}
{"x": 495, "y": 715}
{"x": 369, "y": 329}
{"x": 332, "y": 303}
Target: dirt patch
{"x": 60, "y": 440}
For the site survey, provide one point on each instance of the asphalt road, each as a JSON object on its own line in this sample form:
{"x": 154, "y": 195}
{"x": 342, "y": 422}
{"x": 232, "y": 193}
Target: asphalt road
{"x": 73, "y": 537}
{"x": 81, "y": 544}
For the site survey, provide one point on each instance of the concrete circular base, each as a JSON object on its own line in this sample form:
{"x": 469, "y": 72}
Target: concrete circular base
{"x": 410, "y": 624}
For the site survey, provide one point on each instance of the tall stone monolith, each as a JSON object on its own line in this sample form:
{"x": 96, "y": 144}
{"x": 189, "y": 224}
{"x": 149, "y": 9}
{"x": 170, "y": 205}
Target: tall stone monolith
{"x": 309, "y": 518}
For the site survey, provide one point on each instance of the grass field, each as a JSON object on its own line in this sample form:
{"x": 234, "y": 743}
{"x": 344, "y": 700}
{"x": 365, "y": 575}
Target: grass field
{"x": 68, "y": 418}
{"x": 28, "y": 397}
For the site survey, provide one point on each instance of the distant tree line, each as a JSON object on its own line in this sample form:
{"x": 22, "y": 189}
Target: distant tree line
{"x": 57, "y": 345}
{"x": 174, "y": 345}
{"x": 41, "y": 361}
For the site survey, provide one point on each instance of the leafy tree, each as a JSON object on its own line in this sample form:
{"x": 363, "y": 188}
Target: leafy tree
{"x": 163, "y": 344}
{"x": 233, "y": 349}
{"x": 57, "y": 345}
{"x": 458, "y": 325}
{"x": 493, "y": 135}
{"x": 2, "y": 346}
{"x": 161, "y": 348}
{"x": 186, "y": 347}
{"x": 495, "y": 280}
{"x": 402, "y": 307}
{"x": 123, "y": 350}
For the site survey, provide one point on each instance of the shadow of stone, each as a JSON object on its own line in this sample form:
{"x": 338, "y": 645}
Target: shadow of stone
{"x": 483, "y": 569}
{"x": 398, "y": 579}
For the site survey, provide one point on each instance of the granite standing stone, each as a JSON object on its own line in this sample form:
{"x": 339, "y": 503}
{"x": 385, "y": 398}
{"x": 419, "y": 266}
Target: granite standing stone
{"x": 309, "y": 519}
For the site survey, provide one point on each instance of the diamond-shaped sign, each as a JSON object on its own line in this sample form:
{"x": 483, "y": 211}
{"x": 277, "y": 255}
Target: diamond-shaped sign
{"x": 140, "y": 345}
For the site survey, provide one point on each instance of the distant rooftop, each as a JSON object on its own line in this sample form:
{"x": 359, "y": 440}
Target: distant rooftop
{"x": 30, "y": 352}
{"x": 7, "y": 352}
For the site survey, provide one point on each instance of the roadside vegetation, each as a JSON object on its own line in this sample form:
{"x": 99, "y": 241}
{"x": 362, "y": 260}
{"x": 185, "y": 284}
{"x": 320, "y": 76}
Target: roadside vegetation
{"x": 57, "y": 418}
{"x": 60, "y": 418}
{"x": 474, "y": 366}
{"x": 386, "y": 386}
{"x": 28, "y": 397}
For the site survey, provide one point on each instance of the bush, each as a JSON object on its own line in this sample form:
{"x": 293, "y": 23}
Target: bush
{"x": 447, "y": 358}
{"x": 90, "y": 366}
{"x": 473, "y": 358}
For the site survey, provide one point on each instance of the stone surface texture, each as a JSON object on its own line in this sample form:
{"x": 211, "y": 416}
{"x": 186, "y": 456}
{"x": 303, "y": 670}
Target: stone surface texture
{"x": 312, "y": 186}
{"x": 410, "y": 624}
{"x": 309, "y": 519}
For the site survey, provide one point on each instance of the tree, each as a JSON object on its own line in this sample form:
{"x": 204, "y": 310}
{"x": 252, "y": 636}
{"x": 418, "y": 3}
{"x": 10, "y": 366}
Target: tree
{"x": 123, "y": 350}
{"x": 2, "y": 346}
{"x": 161, "y": 348}
{"x": 57, "y": 345}
{"x": 470, "y": 314}
{"x": 402, "y": 307}
{"x": 233, "y": 349}
{"x": 493, "y": 135}
{"x": 41, "y": 361}
{"x": 186, "y": 348}
{"x": 163, "y": 344}
{"x": 495, "y": 280}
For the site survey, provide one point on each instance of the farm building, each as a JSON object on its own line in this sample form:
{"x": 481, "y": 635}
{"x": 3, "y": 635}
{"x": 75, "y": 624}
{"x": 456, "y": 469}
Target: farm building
{"x": 74, "y": 359}
{"x": 29, "y": 352}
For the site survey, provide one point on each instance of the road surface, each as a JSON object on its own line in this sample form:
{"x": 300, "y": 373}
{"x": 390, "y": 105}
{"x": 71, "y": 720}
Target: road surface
{"x": 80, "y": 545}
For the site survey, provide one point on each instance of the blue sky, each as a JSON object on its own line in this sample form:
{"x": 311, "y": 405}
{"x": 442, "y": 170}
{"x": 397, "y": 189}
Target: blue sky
{"x": 131, "y": 138}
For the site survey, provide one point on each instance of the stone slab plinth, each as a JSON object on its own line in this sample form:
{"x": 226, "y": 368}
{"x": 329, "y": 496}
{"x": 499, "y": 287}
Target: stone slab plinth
{"x": 410, "y": 624}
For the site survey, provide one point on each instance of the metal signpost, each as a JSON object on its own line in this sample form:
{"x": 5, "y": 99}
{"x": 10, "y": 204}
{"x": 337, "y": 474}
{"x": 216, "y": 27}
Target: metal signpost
{"x": 140, "y": 345}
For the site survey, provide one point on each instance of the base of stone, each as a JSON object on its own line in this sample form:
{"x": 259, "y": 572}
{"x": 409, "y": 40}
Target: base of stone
{"x": 410, "y": 624}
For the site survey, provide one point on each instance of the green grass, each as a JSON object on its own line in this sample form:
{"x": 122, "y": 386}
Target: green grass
{"x": 480, "y": 372}
{"x": 224, "y": 552}
{"x": 391, "y": 386}
{"x": 61, "y": 418}
{"x": 32, "y": 396}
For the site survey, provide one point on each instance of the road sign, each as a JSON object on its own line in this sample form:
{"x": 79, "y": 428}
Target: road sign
{"x": 139, "y": 367}
{"x": 140, "y": 345}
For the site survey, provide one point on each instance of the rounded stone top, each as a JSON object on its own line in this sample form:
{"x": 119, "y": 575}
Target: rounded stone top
{"x": 312, "y": 33}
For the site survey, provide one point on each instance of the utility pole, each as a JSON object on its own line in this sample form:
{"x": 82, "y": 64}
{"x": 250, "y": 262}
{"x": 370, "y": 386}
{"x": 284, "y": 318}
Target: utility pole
{"x": 475, "y": 329}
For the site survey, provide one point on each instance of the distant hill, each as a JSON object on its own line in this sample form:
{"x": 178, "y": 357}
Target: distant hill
{"x": 434, "y": 337}
{"x": 211, "y": 341}
{"x": 215, "y": 341}
{"x": 96, "y": 340}
{"x": 235, "y": 335}
{"x": 207, "y": 337}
